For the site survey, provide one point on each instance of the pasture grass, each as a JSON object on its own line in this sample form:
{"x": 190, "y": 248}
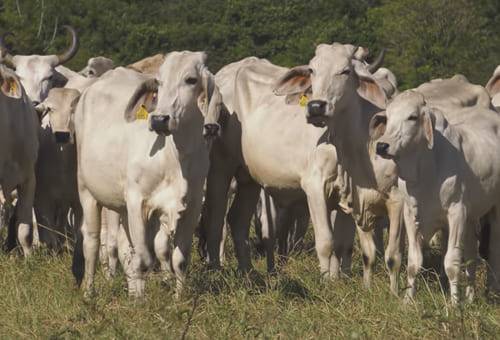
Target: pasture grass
{"x": 38, "y": 299}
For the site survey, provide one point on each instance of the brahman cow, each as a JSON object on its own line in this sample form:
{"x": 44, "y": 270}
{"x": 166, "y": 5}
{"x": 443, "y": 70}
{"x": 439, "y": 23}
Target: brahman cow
{"x": 267, "y": 142}
{"x": 37, "y": 72}
{"x": 449, "y": 174}
{"x": 343, "y": 95}
{"x": 141, "y": 152}
{"x": 18, "y": 152}
{"x": 97, "y": 66}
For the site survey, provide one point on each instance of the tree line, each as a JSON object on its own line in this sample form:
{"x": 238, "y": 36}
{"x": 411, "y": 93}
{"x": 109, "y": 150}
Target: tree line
{"x": 425, "y": 39}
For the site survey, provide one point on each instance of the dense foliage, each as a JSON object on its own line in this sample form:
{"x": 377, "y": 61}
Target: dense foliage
{"x": 426, "y": 39}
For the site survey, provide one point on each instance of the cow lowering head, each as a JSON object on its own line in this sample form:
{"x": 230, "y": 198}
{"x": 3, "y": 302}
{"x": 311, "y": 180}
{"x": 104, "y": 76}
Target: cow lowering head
{"x": 334, "y": 75}
{"x": 184, "y": 89}
{"x": 60, "y": 106}
{"x": 36, "y": 72}
{"x": 96, "y": 67}
{"x": 406, "y": 125}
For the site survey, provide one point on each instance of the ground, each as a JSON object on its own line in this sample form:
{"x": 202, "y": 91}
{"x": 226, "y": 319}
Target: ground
{"x": 38, "y": 299}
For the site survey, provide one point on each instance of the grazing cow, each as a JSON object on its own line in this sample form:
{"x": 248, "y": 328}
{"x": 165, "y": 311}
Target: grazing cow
{"x": 97, "y": 66}
{"x": 344, "y": 96}
{"x": 153, "y": 130}
{"x": 267, "y": 142}
{"x": 57, "y": 190}
{"x": 36, "y": 72}
{"x": 18, "y": 152}
{"x": 449, "y": 174}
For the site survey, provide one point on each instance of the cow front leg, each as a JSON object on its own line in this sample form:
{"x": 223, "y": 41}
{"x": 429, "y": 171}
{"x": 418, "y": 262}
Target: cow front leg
{"x": 113, "y": 223}
{"x": 24, "y": 212}
{"x": 268, "y": 228}
{"x": 415, "y": 257}
{"x": 395, "y": 244}
{"x": 163, "y": 251}
{"x": 470, "y": 258}
{"x": 344, "y": 230}
{"x": 369, "y": 251}
{"x": 453, "y": 258}
{"x": 493, "y": 279}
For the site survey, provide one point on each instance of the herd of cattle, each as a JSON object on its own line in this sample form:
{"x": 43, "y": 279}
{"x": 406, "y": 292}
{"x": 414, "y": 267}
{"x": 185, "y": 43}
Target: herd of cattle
{"x": 132, "y": 161}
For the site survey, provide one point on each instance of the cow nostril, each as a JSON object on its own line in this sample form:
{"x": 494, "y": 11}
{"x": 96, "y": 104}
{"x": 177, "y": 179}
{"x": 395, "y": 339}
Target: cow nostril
{"x": 316, "y": 107}
{"x": 159, "y": 124}
{"x": 382, "y": 148}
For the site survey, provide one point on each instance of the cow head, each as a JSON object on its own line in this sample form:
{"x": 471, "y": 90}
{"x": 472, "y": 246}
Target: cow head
{"x": 60, "y": 106}
{"x": 37, "y": 73}
{"x": 10, "y": 85}
{"x": 184, "y": 89}
{"x": 96, "y": 67}
{"x": 334, "y": 76}
{"x": 407, "y": 125}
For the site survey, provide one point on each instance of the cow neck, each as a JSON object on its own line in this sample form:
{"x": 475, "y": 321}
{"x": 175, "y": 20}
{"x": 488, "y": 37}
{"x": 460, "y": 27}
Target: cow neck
{"x": 189, "y": 136}
{"x": 349, "y": 129}
{"x": 417, "y": 168}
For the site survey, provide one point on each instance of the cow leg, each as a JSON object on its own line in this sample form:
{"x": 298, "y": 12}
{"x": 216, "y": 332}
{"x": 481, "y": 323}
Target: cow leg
{"x": 415, "y": 257}
{"x": 91, "y": 230}
{"x": 214, "y": 210}
{"x": 470, "y": 258}
{"x": 141, "y": 259}
{"x": 163, "y": 251}
{"x": 103, "y": 254}
{"x": 113, "y": 223}
{"x": 301, "y": 213}
{"x": 343, "y": 236}
{"x": 393, "y": 253}
{"x": 268, "y": 228}
{"x": 453, "y": 257}
{"x": 369, "y": 251}
{"x": 493, "y": 279}
{"x": 26, "y": 195}
{"x": 239, "y": 217}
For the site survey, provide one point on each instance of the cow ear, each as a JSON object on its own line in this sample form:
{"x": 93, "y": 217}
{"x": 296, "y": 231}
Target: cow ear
{"x": 142, "y": 101}
{"x": 298, "y": 98}
{"x": 10, "y": 84}
{"x": 371, "y": 91}
{"x": 296, "y": 80}
{"x": 208, "y": 85}
{"x": 378, "y": 123}
{"x": 428, "y": 126}
{"x": 493, "y": 86}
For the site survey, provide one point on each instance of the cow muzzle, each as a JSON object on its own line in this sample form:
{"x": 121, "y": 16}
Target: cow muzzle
{"x": 211, "y": 130}
{"x": 160, "y": 124}
{"x": 316, "y": 113}
{"x": 62, "y": 137}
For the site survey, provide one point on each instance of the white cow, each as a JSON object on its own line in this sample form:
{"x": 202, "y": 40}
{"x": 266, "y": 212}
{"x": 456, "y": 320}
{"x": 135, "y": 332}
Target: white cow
{"x": 267, "y": 142}
{"x": 56, "y": 191}
{"x": 145, "y": 166}
{"x": 344, "y": 98}
{"x": 458, "y": 166}
{"x": 97, "y": 66}
{"x": 37, "y": 72}
{"x": 18, "y": 152}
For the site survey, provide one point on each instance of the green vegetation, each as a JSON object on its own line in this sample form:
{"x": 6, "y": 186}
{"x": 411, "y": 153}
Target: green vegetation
{"x": 38, "y": 299}
{"x": 426, "y": 39}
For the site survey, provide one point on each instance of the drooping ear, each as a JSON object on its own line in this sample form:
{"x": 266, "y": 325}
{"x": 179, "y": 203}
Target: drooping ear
{"x": 368, "y": 88}
{"x": 10, "y": 84}
{"x": 296, "y": 80}
{"x": 493, "y": 85}
{"x": 207, "y": 89}
{"x": 144, "y": 98}
{"x": 295, "y": 98}
{"x": 428, "y": 123}
{"x": 378, "y": 123}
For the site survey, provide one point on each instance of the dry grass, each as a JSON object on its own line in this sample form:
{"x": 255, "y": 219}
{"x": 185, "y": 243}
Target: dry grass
{"x": 38, "y": 300}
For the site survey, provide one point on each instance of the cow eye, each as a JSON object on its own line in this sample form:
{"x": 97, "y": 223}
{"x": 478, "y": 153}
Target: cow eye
{"x": 191, "y": 80}
{"x": 346, "y": 72}
{"x": 413, "y": 117}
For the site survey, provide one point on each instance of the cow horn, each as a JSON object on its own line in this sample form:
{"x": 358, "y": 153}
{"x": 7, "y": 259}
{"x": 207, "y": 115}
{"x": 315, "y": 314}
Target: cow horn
{"x": 70, "y": 53}
{"x": 5, "y": 57}
{"x": 375, "y": 65}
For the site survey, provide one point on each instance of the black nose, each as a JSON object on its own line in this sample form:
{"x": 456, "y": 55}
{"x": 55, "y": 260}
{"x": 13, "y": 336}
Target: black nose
{"x": 62, "y": 137}
{"x": 159, "y": 124}
{"x": 382, "y": 148}
{"x": 211, "y": 130}
{"x": 316, "y": 108}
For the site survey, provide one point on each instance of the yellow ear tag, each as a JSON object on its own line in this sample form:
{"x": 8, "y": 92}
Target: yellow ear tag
{"x": 13, "y": 87}
{"x": 303, "y": 100}
{"x": 142, "y": 113}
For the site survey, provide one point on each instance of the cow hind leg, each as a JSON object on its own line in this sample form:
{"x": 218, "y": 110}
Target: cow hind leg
{"x": 470, "y": 258}
{"x": 24, "y": 221}
{"x": 493, "y": 258}
{"x": 113, "y": 222}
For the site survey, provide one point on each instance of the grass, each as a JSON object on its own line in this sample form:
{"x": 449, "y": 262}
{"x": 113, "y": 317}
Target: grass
{"x": 38, "y": 299}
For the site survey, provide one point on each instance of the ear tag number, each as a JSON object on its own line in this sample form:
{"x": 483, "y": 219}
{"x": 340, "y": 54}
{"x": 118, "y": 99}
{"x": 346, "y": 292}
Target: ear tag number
{"x": 142, "y": 113}
{"x": 303, "y": 100}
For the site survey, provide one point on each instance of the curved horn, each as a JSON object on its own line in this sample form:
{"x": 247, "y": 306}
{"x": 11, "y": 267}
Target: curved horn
{"x": 5, "y": 57}
{"x": 70, "y": 53}
{"x": 375, "y": 65}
